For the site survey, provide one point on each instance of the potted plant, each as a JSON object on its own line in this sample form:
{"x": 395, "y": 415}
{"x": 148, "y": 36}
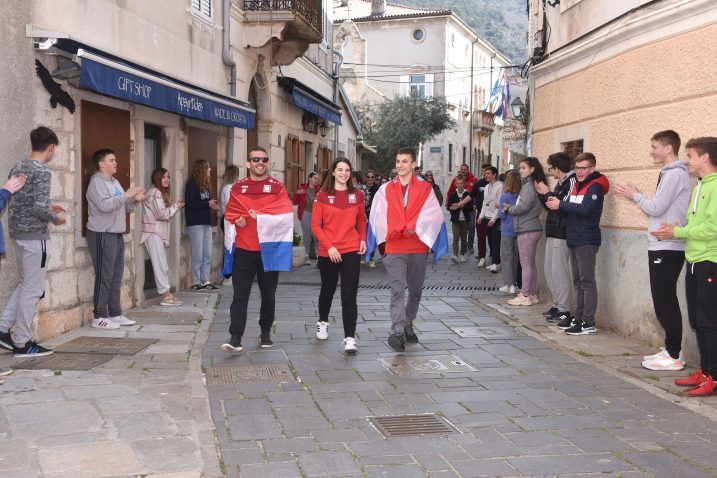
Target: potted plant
{"x": 298, "y": 256}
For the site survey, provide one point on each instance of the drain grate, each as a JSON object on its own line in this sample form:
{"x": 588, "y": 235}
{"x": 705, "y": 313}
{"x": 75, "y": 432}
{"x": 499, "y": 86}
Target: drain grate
{"x": 412, "y": 425}
{"x": 388, "y": 287}
{"x": 483, "y": 332}
{"x": 265, "y": 373}
{"x": 63, "y": 361}
{"x": 422, "y": 364}
{"x": 105, "y": 345}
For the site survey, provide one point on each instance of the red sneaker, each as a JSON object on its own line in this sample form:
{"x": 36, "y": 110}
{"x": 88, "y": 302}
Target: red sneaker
{"x": 705, "y": 388}
{"x": 693, "y": 380}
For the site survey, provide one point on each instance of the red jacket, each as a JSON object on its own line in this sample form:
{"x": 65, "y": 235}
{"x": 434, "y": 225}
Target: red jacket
{"x": 339, "y": 220}
{"x": 470, "y": 181}
{"x": 300, "y": 199}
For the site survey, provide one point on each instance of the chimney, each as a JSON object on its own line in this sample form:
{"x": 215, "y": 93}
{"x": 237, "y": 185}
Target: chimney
{"x": 378, "y": 7}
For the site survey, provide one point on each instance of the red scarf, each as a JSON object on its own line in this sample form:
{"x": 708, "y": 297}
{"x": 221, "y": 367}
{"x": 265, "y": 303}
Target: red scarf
{"x": 401, "y": 219}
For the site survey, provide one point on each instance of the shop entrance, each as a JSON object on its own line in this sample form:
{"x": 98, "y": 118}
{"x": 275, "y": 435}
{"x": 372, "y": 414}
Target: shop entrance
{"x": 152, "y": 160}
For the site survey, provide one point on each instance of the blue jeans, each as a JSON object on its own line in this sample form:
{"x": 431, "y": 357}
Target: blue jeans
{"x": 200, "y": 245}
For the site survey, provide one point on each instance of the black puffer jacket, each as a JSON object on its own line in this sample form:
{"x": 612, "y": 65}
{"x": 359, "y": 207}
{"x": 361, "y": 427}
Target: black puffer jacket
{"x": 556, "y": 224}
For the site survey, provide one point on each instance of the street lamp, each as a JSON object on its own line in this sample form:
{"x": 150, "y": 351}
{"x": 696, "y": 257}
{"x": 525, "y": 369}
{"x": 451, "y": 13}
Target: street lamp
{"x": 518, "y": 108}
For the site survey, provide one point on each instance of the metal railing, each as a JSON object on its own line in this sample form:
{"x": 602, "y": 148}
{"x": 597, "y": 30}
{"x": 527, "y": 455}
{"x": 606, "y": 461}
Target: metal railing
{"x": 309, "y": 9}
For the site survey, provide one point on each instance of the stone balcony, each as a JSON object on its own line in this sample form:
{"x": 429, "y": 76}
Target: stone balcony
{"x": 288, "y": 26}
{"x": 483, "y": 122}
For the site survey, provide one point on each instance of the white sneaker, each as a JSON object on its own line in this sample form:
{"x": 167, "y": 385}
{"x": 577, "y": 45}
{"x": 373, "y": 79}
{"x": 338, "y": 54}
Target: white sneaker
{"x": 455, "y": 259}
{"x": 492, "y": 268}
{"x": 665, "y": 363}
{"x": 662, "y": 353}
{"x": 122, "y": 320}
{"x": 227, "y": 282}
{"x": 463, "y": 258}
{"x": 307, "y": 261}
{"x": 350, "y": 345}
{"x": 104, "y": 324}
{"x": 506, "y": 289}
{"x": 481, "y": 262}
{"x": 322, "y": 330}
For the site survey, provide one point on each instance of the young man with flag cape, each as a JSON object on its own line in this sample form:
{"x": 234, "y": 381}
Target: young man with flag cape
{"x": 406, "y": 216}
{"x": 261, "y": 210}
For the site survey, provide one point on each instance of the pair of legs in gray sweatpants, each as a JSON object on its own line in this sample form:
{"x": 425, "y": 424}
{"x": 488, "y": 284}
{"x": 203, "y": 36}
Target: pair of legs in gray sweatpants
{"x": 405, "y": 270}
{"x": 107, "y": 252}
{"x": 557, "y": 272}
{"x": 311, "y": 245}
{"x": 583, "y": 263}
{"x": 20, "y": 309}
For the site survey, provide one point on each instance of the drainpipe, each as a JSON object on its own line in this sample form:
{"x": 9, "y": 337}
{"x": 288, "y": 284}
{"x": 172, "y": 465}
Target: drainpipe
{"x": 229, "y": 61}
{"x": 339, "y": 62}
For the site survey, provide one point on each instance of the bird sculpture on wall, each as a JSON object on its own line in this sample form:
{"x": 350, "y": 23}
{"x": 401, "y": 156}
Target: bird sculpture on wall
{"x": 57, "y": 94}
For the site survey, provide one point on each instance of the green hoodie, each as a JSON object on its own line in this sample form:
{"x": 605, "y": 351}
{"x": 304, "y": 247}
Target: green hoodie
{"x": 700, "y": 233}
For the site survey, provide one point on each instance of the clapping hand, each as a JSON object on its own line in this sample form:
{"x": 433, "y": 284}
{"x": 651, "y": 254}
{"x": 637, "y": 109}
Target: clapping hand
{"x": 213, "y": 204}
{"x": 541, "y": 187}
{"x": 553, "y": 203}
{"x": 626, "y": 190}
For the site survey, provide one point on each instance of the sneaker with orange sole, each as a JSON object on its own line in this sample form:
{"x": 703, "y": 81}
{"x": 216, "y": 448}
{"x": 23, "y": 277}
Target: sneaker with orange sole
{"x": 693, "y": 380}
{"x": 708, "y": 387}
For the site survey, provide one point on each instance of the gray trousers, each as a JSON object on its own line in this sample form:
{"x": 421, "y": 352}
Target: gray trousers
{"x": 557, "y": 272}
{"x": 509, "y": 258}
{"x": 158, "y": 256}
{"x": 107, "y": 252}
{"x": 20, "y": 309}
{"x": 311, "y": 245}
{"x": 405, "y": 270}
{"x": 582, "y": 261}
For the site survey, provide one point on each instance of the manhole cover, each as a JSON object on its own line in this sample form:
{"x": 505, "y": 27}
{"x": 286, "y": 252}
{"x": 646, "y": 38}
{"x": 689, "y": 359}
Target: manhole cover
{"x": 63, "y": 361}
{"x": 412, "y": 425}
{"x": 105, "y": 345}
{"x": 273, "y": 372}
{"x": 422, "y": 364}
{"x": 484, "y": 332}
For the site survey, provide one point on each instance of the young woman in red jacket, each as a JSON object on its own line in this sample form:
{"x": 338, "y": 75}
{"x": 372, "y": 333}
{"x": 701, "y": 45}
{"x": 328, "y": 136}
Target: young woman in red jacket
{"x": 339, "y": 223}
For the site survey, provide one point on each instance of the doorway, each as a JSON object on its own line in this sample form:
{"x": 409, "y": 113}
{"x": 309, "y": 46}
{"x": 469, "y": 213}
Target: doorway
{"x": 152, "y": 161}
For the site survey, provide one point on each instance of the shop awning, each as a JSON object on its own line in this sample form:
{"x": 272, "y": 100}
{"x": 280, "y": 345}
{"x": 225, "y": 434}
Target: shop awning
{"x": 309, "y": 100}
{"x": 113, "y": 76}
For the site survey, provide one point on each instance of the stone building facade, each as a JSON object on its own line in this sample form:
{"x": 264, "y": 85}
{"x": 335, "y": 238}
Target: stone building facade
{"x": 267, "y": 75}
{"x": 617, "y": 72}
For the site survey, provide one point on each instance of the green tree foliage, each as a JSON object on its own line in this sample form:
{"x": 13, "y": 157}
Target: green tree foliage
{"x": 504, "y": 23}
{"x": 402, "y": 121}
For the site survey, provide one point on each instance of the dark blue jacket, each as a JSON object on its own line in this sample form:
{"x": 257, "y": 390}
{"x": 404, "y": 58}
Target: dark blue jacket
{"x": 556, "y": 224}
{"x": 196, "y": 205}
{"x": 584, "y": 209}
{"x": 5, "y": 196}
{"x": 467, "y": 209}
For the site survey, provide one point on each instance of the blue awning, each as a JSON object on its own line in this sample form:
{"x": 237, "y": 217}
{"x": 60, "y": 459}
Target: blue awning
{"x": 308, "y": 100}
{"x": 116, "y": 79}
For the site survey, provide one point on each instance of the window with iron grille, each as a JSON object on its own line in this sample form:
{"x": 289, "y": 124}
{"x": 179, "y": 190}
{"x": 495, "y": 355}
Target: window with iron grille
{"x": 572, "y": 148}
{"x": 202, "y": 8}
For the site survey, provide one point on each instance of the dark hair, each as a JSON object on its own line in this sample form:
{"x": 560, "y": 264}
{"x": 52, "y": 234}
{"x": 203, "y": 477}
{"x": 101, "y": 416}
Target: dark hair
{"x": 99, "y": 155}
{"x": 538, "y": 174}
{"x": 668, "y": 137}
{"x": 311, "y": 174}
{"x": 157, "y": 176}
{"x": 492, "y": 169}
{"x": 409, "y": 151}
{"x": 561, "y": 161}
{"x": 42, "y": 137}
{"x": 330, "y": 181}
{"x": 257, "y": 148}
{"x": 512, "y": 182}
{"x": 589, "y": 157}
{"x": 485, "y": 165}
{"x": 358, "y": 176}
{"x": 705, "y": 144}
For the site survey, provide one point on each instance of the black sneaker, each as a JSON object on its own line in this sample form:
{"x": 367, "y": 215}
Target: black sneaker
{"x": 197, "y": 287}
{"x": 550, "y": 312}
{"x": 210, "y": 287}
{"x": 558, "y": 316}
{"x": 233, "y": 344}
{"x": 411, "y": 336}
{"x": 6, "y": 341}
{"x": 31, "y": 349}
{"x": 397, "y": 342}
{"x": 581, "y": 329}
{"x": 265, "y": 341}
{"x": 567, "y": 322}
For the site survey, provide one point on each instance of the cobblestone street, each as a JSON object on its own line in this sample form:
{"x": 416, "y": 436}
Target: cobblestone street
{"x": 515, "y": 402}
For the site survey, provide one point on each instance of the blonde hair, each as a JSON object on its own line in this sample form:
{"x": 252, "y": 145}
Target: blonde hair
{"x": 201, "y": 175}
{"x": 231, "y": 174}
{"x": 512, "y": 182}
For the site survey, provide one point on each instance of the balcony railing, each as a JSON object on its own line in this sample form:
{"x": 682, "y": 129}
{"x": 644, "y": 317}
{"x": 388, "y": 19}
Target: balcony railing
{"x": 310, "y": 10}
{"x": 483, "y": 121}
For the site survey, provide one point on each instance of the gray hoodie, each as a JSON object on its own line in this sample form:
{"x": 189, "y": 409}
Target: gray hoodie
{"x": 669, "y": 204}
{"x": 527, "y": 209}
{"x": 107, "y": 204}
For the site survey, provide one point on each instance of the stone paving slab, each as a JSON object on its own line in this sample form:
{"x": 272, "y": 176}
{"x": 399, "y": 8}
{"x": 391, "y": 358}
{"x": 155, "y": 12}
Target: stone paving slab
{"x": 530, "y": 409}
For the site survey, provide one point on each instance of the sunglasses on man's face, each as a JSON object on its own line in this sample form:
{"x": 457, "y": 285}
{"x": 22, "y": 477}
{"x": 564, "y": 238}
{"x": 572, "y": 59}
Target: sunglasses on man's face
{"x": 262, "y": 159}
{"x": 370, "y": 177}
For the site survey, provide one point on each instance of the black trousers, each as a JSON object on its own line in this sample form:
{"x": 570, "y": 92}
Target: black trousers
{"x": 665, "y": 269}
{"x": 701, "y": 291}
{"x": 349, "y": 269}
{"x": 247, "y": 265}
{"x": 493, "y": 235}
